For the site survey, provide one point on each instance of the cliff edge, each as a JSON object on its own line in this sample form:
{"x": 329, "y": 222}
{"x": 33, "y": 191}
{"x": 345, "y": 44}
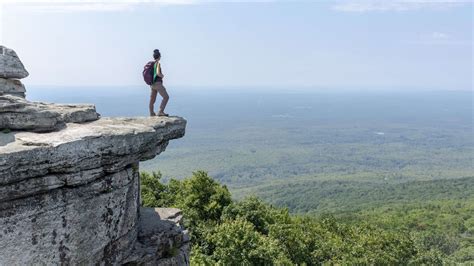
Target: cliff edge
{"x": 70, "y": 186}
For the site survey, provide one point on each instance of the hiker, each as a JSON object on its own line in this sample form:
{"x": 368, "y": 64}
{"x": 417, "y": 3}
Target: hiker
{"x": 155, "y": 80}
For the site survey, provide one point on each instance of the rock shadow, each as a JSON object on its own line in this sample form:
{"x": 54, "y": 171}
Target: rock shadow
{"x": 6, "y": 138}
{"x": 160, "y": 233}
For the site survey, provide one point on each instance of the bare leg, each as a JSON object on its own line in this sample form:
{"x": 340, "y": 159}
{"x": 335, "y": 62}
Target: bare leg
{"x": 162, "y": 91}
{"x": 152, "y": 101}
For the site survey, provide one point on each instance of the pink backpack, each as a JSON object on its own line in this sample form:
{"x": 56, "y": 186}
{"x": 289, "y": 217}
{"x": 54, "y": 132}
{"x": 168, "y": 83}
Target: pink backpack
{"x": 148, "y": 72}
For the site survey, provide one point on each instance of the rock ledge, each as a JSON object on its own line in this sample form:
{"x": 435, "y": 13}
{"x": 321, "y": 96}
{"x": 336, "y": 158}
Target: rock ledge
{"x": 72, "y": 196}
{"x": 17, "y": 113}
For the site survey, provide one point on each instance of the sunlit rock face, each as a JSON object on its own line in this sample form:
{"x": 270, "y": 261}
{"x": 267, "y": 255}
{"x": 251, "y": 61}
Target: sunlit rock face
{"x": 71, "y": 194}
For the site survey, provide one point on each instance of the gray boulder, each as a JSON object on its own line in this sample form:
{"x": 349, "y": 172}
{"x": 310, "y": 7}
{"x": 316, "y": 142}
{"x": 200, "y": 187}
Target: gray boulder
{"x": 17, "y": 113}
{"x": 13, "y": 87}
{"x": 10, "y": 64}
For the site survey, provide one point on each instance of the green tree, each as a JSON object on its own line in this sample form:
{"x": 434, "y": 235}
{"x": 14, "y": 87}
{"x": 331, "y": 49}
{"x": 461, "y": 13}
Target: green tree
{"x": 237, "y": 242}
{"x": 300, "y": 239}
{"x": 153, "y": 192}
{"x": 255, "y": 211}
{"x": 202, "y": 199}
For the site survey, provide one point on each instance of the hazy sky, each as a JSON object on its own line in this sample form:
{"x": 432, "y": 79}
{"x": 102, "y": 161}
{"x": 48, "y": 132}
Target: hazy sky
{"x": 326, "y": 44}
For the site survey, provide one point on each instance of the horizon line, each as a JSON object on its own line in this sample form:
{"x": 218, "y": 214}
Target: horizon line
{"x": 266, "y": 87}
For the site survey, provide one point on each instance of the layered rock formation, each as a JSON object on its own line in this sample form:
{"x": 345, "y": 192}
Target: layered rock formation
{"x": 19, "y": 114}
{"x": 71, "y": 195}
{"x": 10, "y": 64}
{"x": 11, "y": 69}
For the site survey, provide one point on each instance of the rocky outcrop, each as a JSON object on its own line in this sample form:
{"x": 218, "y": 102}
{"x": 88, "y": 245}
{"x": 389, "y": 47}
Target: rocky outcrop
{"x": 10, "y": 64}
{"x": 11, "y": 69}
{"x": 80, "y": 153}
{"x": 71, "y": 195}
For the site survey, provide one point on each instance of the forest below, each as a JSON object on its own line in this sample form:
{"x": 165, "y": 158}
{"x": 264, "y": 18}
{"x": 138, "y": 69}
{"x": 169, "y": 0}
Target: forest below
{"x": 251, "y": 232}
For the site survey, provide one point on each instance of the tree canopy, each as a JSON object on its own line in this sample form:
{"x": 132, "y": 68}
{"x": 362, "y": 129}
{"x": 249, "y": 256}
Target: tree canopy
{"x": 252, "y": 232}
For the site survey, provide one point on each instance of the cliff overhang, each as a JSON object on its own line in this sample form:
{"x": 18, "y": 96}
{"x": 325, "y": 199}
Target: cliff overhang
{"x": 70, "y": 183}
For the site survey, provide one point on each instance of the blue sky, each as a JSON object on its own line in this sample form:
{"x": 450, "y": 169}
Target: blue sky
{"x": 273, "y": 44}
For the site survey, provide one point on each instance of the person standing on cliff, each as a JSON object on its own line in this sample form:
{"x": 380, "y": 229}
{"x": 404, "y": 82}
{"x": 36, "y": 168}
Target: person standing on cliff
{"x": 157, "y": 87}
